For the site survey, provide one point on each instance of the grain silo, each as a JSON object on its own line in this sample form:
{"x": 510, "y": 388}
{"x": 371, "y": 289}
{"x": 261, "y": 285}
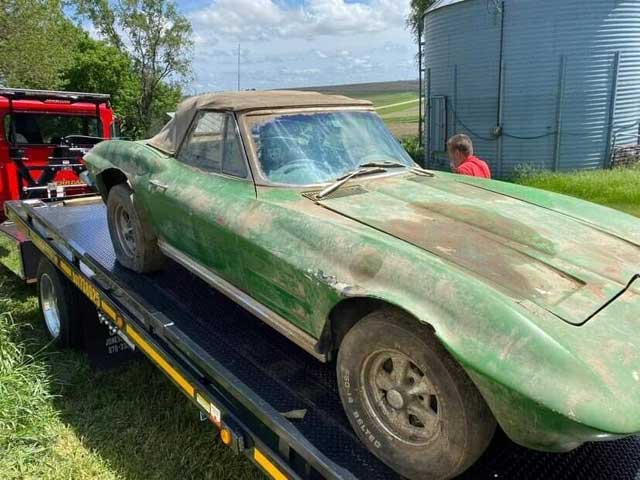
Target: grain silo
{"x": 553, "y": 84}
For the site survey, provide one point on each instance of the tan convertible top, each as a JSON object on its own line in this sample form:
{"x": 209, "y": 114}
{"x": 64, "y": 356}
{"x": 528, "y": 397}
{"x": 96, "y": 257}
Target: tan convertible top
{"x": 169, "y": 138}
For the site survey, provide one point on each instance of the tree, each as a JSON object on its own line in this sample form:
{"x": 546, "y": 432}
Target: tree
{"x": 100, "y": 67}
{"x": 36, "y": 41}
{"x": 157, "y": 39}
{"x": 414, "y": 20}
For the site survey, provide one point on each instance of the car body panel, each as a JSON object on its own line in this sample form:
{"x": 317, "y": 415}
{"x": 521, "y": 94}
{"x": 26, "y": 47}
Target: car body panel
{"x": 533, "y": 293}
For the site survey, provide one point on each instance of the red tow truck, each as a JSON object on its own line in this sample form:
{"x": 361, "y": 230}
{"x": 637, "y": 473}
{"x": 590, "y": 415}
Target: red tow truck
{"x": 43, "y": 136}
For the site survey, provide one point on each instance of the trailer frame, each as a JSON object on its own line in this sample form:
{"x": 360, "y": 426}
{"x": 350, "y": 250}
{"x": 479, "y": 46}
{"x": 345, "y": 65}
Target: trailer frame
{"x": 291, "y": 456}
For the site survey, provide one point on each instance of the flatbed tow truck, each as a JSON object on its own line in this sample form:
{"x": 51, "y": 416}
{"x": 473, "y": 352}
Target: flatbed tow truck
{"x": 270, "y": 400}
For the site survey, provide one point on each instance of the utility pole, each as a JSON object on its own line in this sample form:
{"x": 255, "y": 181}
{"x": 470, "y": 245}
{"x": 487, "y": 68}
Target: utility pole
{"x": 421, "y": 91}
{"x": 238, "y": 66}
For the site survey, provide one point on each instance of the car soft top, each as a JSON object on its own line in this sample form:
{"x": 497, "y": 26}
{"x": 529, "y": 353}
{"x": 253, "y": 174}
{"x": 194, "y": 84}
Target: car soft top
{"x": 169, "y": 138}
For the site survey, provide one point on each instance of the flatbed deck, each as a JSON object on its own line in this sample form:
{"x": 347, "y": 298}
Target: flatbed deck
{"x": 251, "y": 373}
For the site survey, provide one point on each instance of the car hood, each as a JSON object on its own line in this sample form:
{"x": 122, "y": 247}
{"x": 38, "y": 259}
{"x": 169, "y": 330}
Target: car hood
{"x": 570, "y": 267}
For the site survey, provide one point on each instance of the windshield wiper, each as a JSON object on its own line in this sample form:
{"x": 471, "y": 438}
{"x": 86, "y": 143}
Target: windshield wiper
{"x": 414, "y": 168}
{"x": 383, "y": 165}
{"x": 364, "y": 169}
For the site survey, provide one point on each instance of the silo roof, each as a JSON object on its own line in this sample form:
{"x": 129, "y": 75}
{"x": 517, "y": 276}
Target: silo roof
{"x": 442, "y": 3}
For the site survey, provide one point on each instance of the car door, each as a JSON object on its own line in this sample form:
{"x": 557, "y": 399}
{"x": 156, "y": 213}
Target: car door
{"x": 206, "y": 193}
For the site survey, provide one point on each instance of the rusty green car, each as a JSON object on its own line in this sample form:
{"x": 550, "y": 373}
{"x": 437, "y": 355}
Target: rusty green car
{"x": 447, "y": 303}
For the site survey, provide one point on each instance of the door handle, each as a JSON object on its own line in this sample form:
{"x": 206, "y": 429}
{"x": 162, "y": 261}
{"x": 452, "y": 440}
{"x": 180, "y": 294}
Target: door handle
{"x": 158, "y": 185}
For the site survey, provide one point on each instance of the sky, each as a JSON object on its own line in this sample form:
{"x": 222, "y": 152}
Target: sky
{"x": 298, "y": 43}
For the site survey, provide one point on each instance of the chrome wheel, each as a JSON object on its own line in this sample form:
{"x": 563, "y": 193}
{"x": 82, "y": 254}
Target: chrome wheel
{"x": 401, "y": 397}
{"x": 49, "y": 304}
{"x": 124, "y": 230}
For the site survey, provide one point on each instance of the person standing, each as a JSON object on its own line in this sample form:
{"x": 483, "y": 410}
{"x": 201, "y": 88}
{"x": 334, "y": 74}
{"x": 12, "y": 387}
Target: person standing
{"x": 463, "y": 161}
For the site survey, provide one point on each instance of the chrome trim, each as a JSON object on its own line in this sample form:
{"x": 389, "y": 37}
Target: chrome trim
{"x": 268, "y": 316}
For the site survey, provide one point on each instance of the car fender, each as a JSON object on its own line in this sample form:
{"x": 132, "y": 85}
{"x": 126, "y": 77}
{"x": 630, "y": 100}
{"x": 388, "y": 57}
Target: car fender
{"x": 514, "y": 346}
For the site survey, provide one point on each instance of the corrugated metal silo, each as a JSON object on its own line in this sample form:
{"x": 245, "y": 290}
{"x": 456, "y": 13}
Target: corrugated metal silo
{"x": 547, "y": 83}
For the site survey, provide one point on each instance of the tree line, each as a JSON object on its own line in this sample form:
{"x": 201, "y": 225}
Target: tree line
{"x": 139, "y": 52}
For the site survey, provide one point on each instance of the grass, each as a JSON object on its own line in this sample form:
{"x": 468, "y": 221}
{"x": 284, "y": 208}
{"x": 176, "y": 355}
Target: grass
{"x": 380, "y": 99}
{"x": 61, "y": 420}
{"x": 619, "y": 188}
{"x": 9, "y": 253}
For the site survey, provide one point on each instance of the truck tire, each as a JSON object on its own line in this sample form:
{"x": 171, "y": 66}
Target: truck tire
{"x": 408, "y": 400}
{"x": 59, "y": 302}
{"x": 134, "y": 241}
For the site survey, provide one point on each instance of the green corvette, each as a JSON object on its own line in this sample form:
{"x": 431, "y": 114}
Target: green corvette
{"x": 447, "y": 303}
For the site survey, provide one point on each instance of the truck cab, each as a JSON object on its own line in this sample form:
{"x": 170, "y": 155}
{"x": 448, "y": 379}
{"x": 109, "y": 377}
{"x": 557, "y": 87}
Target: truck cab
{"x": 43, "y": 137}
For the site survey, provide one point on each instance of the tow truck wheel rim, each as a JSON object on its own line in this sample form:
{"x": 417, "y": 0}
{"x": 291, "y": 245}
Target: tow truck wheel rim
{"x": 50, "y": 306}
{"x": 124, "y": 228}
{"x": 401, "y": 397}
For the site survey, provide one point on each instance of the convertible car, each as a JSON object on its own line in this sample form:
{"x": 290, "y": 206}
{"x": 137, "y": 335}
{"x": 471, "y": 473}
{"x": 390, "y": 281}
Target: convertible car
{"x": 447, "y": 303}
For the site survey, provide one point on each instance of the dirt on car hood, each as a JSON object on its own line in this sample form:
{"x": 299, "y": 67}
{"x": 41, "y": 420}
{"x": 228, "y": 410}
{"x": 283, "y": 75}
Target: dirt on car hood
{"x": 568, "y": 266}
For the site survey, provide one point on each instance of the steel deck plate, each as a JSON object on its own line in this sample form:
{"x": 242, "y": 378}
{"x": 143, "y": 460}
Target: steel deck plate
{"x": 289, "y": 378}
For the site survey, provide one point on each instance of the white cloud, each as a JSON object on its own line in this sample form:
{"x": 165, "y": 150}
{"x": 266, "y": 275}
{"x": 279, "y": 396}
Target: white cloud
{"x": 315, "y": 43}
{"x": 256, "y": 20}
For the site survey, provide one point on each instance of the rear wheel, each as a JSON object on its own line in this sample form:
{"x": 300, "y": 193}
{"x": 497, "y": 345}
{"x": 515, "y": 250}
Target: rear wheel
{"x": 408, "y": 400}
{"x": 134, "y": 241}
{"x": 59, "y": 302}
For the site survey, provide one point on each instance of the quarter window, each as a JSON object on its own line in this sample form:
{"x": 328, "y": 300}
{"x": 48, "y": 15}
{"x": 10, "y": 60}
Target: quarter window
{"x": 209, "y": 148}
{"x": 203, "y": 147}
{"x": 233, "y": 162}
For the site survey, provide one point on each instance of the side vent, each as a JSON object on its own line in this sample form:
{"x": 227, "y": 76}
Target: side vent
{"x": 341, "y": 192}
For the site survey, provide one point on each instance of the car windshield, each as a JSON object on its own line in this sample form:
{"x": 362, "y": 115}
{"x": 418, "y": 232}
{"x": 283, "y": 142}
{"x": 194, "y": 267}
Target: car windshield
{"x": 318, "y": 147}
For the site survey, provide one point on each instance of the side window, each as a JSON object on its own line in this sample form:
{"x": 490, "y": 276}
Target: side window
{"x": 203, "y": 147}
{"x": 233, "y": 162}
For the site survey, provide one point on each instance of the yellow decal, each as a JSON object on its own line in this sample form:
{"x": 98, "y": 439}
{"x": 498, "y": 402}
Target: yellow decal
{"x": 45, "y": 249}
{"x": 111, "y": 313}
{"x": 66, "y": 269}
{"x": 108, "y": 311}
{"x": 81, "y": 282}
{"x": 162, "y": 363}
{"x": 268, "y": 466}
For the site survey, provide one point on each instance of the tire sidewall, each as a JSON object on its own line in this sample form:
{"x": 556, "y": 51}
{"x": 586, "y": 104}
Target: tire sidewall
{"x": 442, "y": 455}
{"x": 122, "y": 196}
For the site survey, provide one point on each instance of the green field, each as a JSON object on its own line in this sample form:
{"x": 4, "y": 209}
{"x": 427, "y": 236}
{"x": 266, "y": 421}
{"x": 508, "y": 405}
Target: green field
{"x": 396, "y": 102}
{"x": 60, "y": 420}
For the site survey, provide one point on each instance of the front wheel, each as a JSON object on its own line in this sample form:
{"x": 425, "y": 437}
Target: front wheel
{"x": 134, "y": 241}
{"x": 408, "y": 400}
